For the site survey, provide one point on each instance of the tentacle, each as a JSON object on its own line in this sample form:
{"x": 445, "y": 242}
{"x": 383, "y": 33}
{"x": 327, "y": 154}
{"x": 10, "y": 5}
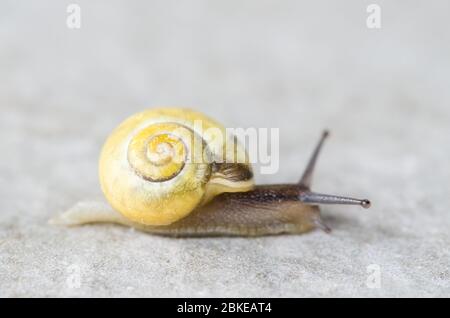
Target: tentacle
{"x": 309, "y": 197}
{"x": 306, "y": 179}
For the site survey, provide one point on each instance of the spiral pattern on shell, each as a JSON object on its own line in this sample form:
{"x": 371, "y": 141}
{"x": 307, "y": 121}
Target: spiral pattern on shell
{"x": 159, "y": 152}
{"x": 155, "y": 167}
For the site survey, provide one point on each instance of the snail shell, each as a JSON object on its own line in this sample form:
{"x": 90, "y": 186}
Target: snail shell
{"x": 159, "y": 165}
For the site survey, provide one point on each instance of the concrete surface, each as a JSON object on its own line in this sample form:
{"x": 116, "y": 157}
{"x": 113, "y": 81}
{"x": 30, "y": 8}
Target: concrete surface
{"x": 297, "y": 65}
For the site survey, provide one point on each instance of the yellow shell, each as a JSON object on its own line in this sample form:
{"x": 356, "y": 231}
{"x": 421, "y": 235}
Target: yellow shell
{"x": 160, "y": 164}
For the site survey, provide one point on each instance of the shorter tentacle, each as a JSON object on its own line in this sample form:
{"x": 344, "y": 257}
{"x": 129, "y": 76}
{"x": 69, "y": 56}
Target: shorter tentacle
{"x": 306, "y": 179}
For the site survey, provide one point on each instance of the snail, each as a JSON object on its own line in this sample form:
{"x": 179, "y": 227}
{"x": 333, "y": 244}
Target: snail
{"x": 162, "y": 174}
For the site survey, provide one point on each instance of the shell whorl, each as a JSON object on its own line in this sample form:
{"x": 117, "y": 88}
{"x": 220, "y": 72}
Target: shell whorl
{"x": 155, "y": 167}
{"x": 159, "y": 152}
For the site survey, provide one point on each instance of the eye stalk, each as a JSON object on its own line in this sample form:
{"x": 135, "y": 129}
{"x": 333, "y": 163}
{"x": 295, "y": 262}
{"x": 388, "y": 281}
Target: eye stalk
{"x": 309, "y": 197}
{"x": 319, "y": 198}
{"x": 306, "y": 179}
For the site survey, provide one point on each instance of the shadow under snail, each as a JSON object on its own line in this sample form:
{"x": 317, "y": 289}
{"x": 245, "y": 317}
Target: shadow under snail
{"x": 157, "y": 179}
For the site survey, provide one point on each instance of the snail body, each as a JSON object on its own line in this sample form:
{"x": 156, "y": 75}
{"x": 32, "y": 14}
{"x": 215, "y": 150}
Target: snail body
{"x": 171, "y": 171}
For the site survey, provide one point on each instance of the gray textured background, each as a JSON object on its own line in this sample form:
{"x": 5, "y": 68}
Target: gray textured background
{"x": 297, "y": 65}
